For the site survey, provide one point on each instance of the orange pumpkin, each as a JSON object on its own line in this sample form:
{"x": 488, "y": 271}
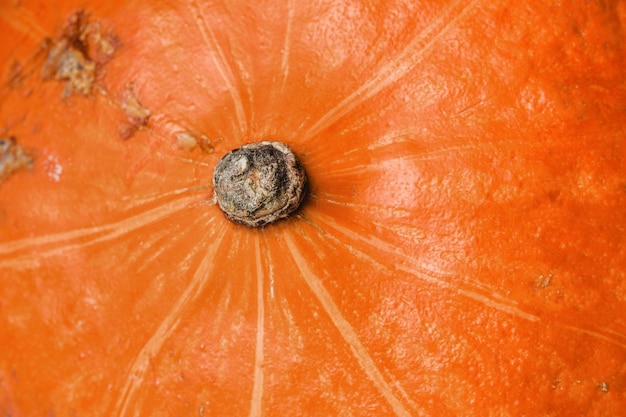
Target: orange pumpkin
{"x": 461, "y": 249}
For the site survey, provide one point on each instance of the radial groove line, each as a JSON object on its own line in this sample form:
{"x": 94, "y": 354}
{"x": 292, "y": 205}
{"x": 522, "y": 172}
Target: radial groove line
{"x": 346, "y": 330}
{"x": 284, "y": 64}
{"x": 418, "y": 272}
{"x": 406, "y": 60}
{"x": 23, "y": 21}
{"x": 220, "y": 63}
{"x": 620, "y": 342}
{"x": 503, "y": 306}
{"x": 155, "y": 249}
{"x": 109, "y": 230}
{"x": 137, "y": 202}
{"x": 137, "y": 372}
{"x": 257, "y": 389}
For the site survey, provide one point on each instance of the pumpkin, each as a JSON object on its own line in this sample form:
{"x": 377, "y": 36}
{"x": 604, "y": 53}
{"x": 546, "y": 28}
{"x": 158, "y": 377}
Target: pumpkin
{"x": 460, "y": 249}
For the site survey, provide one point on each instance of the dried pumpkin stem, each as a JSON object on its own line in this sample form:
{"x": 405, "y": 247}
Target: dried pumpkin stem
{"x": 259, "y": 183}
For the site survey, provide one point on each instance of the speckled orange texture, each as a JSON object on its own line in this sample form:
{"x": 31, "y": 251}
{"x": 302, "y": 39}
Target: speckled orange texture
{"x": 461, "y": 253}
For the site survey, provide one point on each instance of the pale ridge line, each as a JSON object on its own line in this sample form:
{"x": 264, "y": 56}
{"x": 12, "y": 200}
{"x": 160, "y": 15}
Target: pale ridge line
{"x": 166, "y": 242}
{"x": 221, "y": 64}
{"x": 379, "y": 244}
{"x": 614, "y": 332}
{"x": 22, "y": 20}
{"x": 596, "y": 334}
{"x": 326, "y": 197}
{"x": 489, "y": 302}
{"x": 427, "y": 156}
{"x": 410, "y": 56}
{"x": 114, "y": 230}
{"x": 136, "y": 374}
{"x": 257, "y": 388}
{"x": 284, "y": 64}
{"x": 140, "y": 201}
{"x": 345, "y": 329}
{"x": 432, "y": 278}
{"x": 501, "y": 306}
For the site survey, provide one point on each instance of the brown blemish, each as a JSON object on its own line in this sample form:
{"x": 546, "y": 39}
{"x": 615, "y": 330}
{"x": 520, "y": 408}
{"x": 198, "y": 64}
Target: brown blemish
{"x": 189, "y": 141}
{"x": 136, "y": 114}
{"x": 206, "y": 144}
{"x": 12, "y": 157}
{"x": 77, "y": 56}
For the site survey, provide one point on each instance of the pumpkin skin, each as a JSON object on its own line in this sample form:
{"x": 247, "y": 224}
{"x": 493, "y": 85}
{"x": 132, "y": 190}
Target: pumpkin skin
{"x": 461, "y": 251}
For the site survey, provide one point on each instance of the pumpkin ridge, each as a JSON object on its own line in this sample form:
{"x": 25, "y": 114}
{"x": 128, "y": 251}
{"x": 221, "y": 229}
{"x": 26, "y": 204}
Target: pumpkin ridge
{"x": 138, "y": 202}
{"x": 476, "y": 292}
{"x": 224, "y": 69}
{"x": 401, "y": 64}
{"x": 141, "y": 362}
{"x": 606, "y": 335}
{"x": 101, "y": 233}
{"x": 159, "y": 244}
{"x": 428, "y": 275}
{"x": 257, "y": 385}
{"x": 345, "y": 329}
{"x": 284, "y": 62}
{"x": 355, "y": 164}
{"x": 376, "y": 209}
{"x": 22, "y": 20}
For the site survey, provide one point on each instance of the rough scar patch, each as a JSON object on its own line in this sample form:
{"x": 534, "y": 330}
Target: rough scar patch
{"x": 12, "y": 157}
{"x": 77, "y": 56}
{"x": 136, "y": 114}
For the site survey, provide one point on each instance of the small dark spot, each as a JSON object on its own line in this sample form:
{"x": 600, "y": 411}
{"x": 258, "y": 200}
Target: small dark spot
{"x": 126, "y": 130}
{"x": 553, "y": 195}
